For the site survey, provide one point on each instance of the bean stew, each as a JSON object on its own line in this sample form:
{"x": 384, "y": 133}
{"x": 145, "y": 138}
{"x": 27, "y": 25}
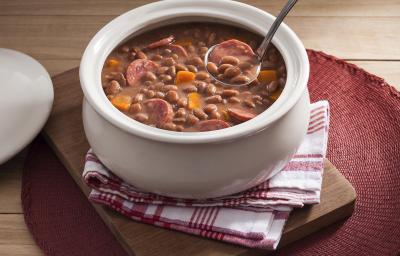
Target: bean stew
{"x": 159, "y": 78}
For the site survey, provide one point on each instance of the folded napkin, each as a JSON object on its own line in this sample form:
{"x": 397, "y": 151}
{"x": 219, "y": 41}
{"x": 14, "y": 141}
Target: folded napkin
{"x": 253, "y": 218}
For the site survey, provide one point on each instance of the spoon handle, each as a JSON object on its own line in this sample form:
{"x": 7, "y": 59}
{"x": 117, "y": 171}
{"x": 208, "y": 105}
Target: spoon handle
{"x": 262, "y": 49}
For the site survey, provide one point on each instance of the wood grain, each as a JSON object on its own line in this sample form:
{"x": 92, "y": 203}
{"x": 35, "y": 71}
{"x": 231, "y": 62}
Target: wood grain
{"x": 65, "y": 37}
{"x": 65, "y": 134}
{"x": 15, "y": 238}
{"x": 115, "y": 7}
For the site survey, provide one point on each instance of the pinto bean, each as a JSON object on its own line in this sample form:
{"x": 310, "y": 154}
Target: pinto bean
{"x": 144, "y": 90}
{"x": 138, "y": 98}
{"x": 192, "y": 68}
{"x": 215, "y": 115}
{"x": 181, "y": 112}
{"x": 192, "y": 119}
{"x": 182, "y": 102}
{"x": 113, "y": 87}
{"x": 150, "y": 94}
{"x": 189, "y": 88}
{"x": 141, "y": 117}
{"x": 210, "y": 108}
{"x": 230, "y": 60}
{"x": 175, "y": 56}
{"x": 229, "y": 93}
{"x": 196, "y": 61}
{"x": 168, "y": 62}
{"x": 169, "y": 87}
{"x": 213, "y": 99}
{"x": 162, "y": 70}
{"x": 160, "y": 95}
{"x": 234, "y": 100}
{"x": 149, "y": 76}
{"x": 240, "y": 79}
{"x": 166, "y": 78}
{"x": 223, "y": 67}
{"x": 210, "y": 89}
{"x": 169, "y": 126}
{"x": 232, "y": 72}
{"x": 181, "y": 67}
{"x": 201, "y": 85}
{"x": 117, "y": 76}
{"x": 249, "y": 103}
{"x": 245, "y": 65}
{"x": 202, "y": 75}
{"x": 135, "y": 108}
{"x": 172, "y": 71}
{"x": 212, "y": 68}
{"x": 200, "y": 113}
{"x": 172, "y": 96}
{"x": 221, "y": 77}
{"x": 159, "y": 85}
{"x": 180, "y": 120}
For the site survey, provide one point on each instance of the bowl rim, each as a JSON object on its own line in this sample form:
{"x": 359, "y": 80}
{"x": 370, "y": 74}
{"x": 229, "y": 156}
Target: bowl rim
{"x": 111, "y": 35}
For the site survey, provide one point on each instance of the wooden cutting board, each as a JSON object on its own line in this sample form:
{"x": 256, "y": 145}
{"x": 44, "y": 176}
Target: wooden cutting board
{"x": 64, "y": 132}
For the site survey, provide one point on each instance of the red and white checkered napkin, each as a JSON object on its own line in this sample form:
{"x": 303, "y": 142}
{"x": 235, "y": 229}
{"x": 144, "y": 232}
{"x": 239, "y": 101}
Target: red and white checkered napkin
{"x": 253, "y": 218}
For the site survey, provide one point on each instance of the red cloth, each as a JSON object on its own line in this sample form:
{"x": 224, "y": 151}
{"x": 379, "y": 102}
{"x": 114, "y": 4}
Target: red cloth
{"x": 57, "y": 213}
{"x": 363, "y": 144}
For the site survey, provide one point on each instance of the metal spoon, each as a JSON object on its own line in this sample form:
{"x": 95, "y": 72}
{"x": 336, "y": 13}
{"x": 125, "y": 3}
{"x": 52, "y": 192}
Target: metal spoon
{"x": 261, "y": 50}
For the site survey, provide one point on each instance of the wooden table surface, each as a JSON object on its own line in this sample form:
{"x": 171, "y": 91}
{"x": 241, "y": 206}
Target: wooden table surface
{"x": 56, "y": 32}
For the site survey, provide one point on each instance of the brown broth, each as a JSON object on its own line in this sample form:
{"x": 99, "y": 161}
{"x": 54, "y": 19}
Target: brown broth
{"x": 232, "y": 105}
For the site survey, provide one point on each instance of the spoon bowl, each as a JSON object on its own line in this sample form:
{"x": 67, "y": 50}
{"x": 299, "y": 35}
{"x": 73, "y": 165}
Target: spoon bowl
{"x": 252, "y": 78}
{"x": 257, "y": 57}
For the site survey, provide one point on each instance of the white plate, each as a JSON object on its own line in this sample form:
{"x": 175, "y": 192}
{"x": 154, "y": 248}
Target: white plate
{"x": 26, "y": 98}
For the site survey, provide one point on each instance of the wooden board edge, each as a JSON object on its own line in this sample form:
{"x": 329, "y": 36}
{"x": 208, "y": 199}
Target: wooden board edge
{"x": 317, "y": 224}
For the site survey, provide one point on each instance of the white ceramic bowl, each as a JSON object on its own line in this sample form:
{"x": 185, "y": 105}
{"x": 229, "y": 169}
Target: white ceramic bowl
{"x": 198, "y": 164}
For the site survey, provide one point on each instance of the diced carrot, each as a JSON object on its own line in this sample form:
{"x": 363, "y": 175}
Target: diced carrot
{"x": 193, "y": 100}
{"x": 122, "y": 102}
{"x": 184, "y": 42}
{"x": 113, "y": 63}
{"x": 275, "y": 95}
{"x": 184, "y": 77}
{"x": 267, "y": 76}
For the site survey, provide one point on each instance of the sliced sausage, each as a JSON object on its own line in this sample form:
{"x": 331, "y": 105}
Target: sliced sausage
{"x": 240, "y": 115}
{"x": 162, "y": 42}
{"x": 137, "y": 69}
{"x": 231, "y": 47}
{"x": 178, "y": 50}
{"x": 211, "y": 125}
{"x": 159, "y": 111}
